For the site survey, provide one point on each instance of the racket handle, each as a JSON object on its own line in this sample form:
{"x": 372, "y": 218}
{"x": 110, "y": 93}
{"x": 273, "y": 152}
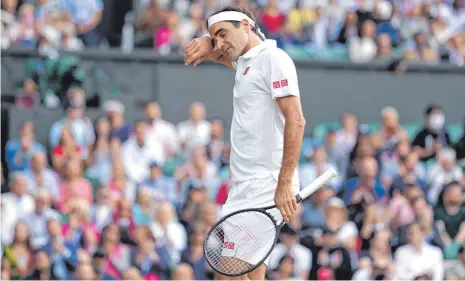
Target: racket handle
{"x": 316, "y": 184}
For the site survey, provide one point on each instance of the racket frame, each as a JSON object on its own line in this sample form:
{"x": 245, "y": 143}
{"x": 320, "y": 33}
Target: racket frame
{"x": 303, "y": 194}
{"x": 260, "y": 210}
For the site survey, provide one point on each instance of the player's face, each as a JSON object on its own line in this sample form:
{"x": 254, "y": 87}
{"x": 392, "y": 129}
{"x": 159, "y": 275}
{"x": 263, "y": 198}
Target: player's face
{"x": 231, "y": 41}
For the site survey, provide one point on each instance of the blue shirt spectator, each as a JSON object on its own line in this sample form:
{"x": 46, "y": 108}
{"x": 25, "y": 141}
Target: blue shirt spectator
{"x": 18, "y": 152}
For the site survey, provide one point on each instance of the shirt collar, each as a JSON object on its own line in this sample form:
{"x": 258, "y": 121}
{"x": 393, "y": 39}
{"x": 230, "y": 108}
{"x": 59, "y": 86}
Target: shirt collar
{"x": 268, "y": 43}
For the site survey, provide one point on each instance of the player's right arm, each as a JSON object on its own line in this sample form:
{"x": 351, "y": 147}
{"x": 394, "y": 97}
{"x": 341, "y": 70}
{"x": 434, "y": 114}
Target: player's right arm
{"x": 199, "y": 49}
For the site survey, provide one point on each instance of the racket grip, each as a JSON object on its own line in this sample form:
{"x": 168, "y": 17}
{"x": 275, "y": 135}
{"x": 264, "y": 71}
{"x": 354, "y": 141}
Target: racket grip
{"x": 316, "y": 184}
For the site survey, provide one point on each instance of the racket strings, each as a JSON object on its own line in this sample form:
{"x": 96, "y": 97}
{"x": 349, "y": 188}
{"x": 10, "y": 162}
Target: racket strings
{"x": 243, "y": 246}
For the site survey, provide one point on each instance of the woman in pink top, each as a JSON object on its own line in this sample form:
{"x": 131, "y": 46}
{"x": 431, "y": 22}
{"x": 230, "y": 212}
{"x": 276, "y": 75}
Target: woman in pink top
{"x": 73, "y": 186}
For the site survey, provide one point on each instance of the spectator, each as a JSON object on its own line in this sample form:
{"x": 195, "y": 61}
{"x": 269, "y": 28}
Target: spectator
{"x": 101, "y": 210}
{"x": 39, "y": 176}
{"x": 29, "y": 97}
{"x": 138, "y": 153}
{"x": 329, "y": 259}
{"x": 23, "y": 33}
{"x": 114, "y": 110}
{"x": 16, "y": 205}
{"x": 314, "y": 209}
{"x": 418, "y": 258}
{"x": 433, "y": 136}
{"x": 311, "y": 170}
{"x": 160, "y": 130}
{"x": 73, "y": 186}
{"x": 150, "y": 256}
{"x": 200, "y": 171}
{"x": 391, "y": 132}
{"x": 44, "y": 267}
{"x": 367, "y": 187}
{"x": 80, "y": 126}
{"x": 363, "y": 48}
{"x": 168, "y": 231}
{"x": 143, "y": 208}
{"x": 196, "y": 130}
{"x": 449, "y": 216}
{"x": 99, "y": 162}
{"x": 193, "y": 255}
{"x": 217, "y": 143}
{"x": 161, "y": 187}
{"x": 289, "y": 245}
{"x": 86, "y": 16}
{"x": 37, "y": 221}
{"x": 18, "y": 152}
{"x": 19, "y": 252}
{"x": 66, "y": 150}
{"x": 456, "y": 268}
{"x": 442, "y": 173}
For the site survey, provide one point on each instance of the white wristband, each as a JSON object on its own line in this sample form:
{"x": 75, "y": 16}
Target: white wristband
{"x": 207, "y": 35}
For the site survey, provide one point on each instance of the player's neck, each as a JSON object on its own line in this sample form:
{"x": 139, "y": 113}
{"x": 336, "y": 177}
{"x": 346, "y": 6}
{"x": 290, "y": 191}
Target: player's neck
{"x": 254, "y": 40}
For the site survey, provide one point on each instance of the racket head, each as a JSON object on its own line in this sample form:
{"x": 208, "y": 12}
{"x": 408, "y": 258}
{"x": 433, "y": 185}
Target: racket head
{"x": 253, "y": 234}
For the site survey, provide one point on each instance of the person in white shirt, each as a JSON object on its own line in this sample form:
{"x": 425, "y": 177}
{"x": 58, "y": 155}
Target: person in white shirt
{"x": 418, "y": 258}
{"x": 196, "y": 130}
{"x": 15, "y": 205}
{"x": 267, "y": 125}
{"x": 160, "y": 130}
{"x": 138, "y": 153}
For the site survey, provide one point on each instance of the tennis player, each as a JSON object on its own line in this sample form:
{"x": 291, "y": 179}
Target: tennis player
{"x": 267, "y": 124}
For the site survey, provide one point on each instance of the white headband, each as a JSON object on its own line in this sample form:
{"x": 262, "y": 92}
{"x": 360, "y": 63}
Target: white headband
{"x": 233, "y": 16}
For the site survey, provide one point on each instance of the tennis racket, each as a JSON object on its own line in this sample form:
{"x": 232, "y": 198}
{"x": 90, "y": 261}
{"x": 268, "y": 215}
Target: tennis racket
{"x": 242, "y": 240}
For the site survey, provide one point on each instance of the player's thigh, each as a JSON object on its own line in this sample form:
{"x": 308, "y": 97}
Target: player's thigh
{"x": 258, "y": 273}
{"x": 231, "y": 264}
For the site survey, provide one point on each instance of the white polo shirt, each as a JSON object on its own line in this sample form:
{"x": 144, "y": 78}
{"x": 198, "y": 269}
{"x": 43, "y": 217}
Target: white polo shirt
{"x": 263, "y": 74}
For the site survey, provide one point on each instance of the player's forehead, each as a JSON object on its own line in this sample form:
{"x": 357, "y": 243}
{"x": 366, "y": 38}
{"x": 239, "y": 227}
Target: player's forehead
{"x": 216, "y": 28}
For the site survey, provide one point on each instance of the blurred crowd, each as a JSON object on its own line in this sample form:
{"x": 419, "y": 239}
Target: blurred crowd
{"x": 359, "y": 30}
{"x": 109, "y": 199}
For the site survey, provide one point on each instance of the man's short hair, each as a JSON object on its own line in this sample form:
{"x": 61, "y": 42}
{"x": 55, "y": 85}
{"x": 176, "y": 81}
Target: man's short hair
{"x": 431, "y": 108}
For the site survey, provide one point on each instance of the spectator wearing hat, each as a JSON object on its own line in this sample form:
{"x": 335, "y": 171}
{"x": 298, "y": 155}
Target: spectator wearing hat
{"x": 138, "y": 153}
{"x": 418, "y": 258}
{"x": 289, "y": 245}
{"x": 433, "y": 136}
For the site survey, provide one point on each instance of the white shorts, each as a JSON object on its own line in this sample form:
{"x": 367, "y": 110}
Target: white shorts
{"x": 254, "y": 193}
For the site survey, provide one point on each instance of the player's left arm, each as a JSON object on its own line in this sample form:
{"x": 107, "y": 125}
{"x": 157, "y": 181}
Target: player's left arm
{"x": 293, "y": 134}
{"x": 283, "y": 84}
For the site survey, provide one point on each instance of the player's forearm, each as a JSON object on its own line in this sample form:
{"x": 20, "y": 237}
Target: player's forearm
{"x": 293, "y": 136}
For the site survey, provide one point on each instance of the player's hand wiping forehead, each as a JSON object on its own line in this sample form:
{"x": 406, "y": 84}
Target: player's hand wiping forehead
{"x": 197, "y": 51}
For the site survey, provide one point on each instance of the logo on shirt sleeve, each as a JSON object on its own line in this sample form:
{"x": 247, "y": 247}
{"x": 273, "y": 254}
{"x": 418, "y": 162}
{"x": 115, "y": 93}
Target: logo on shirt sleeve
{"x": 276, "y": 84}
{"x": 246, "y": 70}
{"x": 284, "y": 83}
